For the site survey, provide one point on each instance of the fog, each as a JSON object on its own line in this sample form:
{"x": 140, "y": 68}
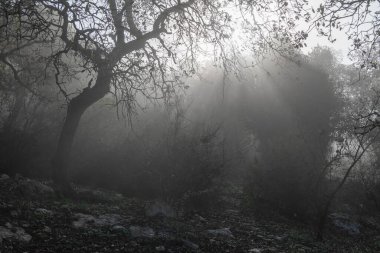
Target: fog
{"x": 197, "y": 126}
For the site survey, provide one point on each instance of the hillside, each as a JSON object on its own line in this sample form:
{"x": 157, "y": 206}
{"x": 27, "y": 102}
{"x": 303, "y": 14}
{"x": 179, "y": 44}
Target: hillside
{"x": 33, "y": 220}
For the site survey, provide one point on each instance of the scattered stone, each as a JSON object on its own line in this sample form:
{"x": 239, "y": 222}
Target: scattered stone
{"x": 15, "y": 213}
{"x": 65, "y": 206}
{"x": 134, "y": 244}
{"x": 5, "y": 233}
{"x": 66, "y": 209}
{"x": 137, "y": 231}
{"x": 159, "y": 208}
{"x": 108, "y": 220}
{"x": 15, "y": 233}
{"x": 190, "y": 244}
{"x": 280, "y": 238}
{"x": 152, "y": 234}
{"x": 118, "y": 228}
{"x": 119, "y": 196}
{"x": 43, "y": 212}
{"x": 4, "y": 177}
{"x": 22, "y": 236}
{"x": 370, "y": 222}
{"x": 160, "y": 248}
{"x": 83, "y": 220}
{"x": 86, "y": 220}
{"x": 200, "y": 218}
{"x": 232, "y": 211}
{"x": 343, "y": 222}
{"x": 167, "y": 236}
{"x": 225, "y": 232}
{"x": 255, "y": 250}
{"x": 25, "y": 225}
{"x": 97, "y": 195}
{"x": 33, "y": 188}
{"x": 47, "y": 229}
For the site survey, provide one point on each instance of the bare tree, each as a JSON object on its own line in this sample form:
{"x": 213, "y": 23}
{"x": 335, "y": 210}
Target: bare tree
{"x": 123, "y": 43}
{"x": 132, "y": 47}
{"x": 359, "y": 19}
{"x": 22, "y": 68}
{"x": 360, "y": 147}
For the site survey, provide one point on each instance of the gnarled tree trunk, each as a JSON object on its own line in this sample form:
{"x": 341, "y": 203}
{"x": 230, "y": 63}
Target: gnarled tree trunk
{"x": 77, "y": 106}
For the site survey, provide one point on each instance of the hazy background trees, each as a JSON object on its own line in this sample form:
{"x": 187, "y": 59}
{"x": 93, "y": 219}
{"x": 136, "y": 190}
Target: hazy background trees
{"x": 162, "y": 100}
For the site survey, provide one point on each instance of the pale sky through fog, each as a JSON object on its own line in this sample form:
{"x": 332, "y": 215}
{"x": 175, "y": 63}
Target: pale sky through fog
{"x": 340, "y": 46}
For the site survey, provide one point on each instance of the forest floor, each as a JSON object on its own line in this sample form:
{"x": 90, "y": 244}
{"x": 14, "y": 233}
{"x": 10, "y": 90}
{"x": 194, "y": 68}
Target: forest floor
{"x": 33, "y": 220}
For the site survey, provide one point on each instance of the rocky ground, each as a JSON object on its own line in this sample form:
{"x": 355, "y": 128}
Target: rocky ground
{"x": 33, "y": 220}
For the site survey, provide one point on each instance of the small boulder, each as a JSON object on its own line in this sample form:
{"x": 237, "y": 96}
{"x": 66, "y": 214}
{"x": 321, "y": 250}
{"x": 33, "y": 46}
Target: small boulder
{"x": 200, "y": 218}
{"x": 137, "y": 231}
{"x": 47, "y": 230}
{"x": 34, "y": 188}
{"x": 345, "y": 223}
{"x": 118, "y": 228}
{"x": 160, "y": 248}
{"x": 22, "y": 236}
{"x": 224, "y": 232}
{"x": 4, "y": 177}
{"x": 190, "y": 244}
{"x": 83, "y": 220}
{"x": 108, "y": 220}
{"x": 15, "y": 213}
{"x": 86, "y": 220}
{"x": 14, "y": 233}
{"x": 255, "y": 250}
{"x": 5, "y": 233}
{"x": 43, "y": 212}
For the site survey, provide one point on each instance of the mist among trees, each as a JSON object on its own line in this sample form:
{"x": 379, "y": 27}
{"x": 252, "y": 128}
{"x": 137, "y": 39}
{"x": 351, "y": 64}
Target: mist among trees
{"x": 189, "y": 126}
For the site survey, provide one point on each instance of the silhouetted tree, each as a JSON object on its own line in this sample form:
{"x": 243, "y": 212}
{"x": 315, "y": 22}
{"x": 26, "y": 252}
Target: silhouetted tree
{"x": 359, "y": 20}
{"x": 130, "y": 47}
